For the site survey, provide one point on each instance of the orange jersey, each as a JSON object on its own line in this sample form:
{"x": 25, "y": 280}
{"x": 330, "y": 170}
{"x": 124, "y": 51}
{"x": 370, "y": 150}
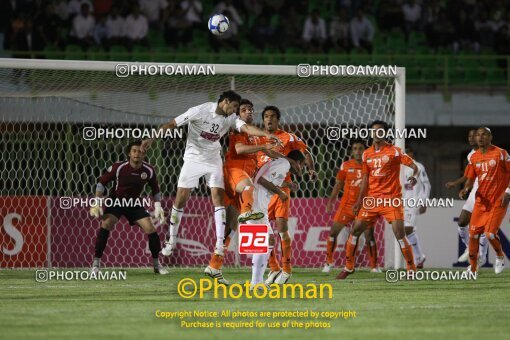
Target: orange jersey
{"x": 493, "y": 171}
{"x": 246, "y": 162}
{"x": 290, "y": 142}
{"x": 383, "y": 169}
{"x": 350, "y": 173}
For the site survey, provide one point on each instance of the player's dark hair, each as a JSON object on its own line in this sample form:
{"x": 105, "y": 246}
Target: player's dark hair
{"x": 379, "y": 122}
{"x": 244, "y": 101}
{"x": 230, "y": 95}
{"x": 409, "y": 149}
{"x": 359, "y": 141}
{"x": 137, "y": 142}
{"x": 272, "y": 108}
{"x": 296, "y": 155}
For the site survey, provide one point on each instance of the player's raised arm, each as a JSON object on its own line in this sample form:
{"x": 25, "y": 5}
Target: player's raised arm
{"x": 255, "y": 131}
{"x": 243, "y": 149}
{"x": 273, "y": 188}
{"x": 179, "y": 121}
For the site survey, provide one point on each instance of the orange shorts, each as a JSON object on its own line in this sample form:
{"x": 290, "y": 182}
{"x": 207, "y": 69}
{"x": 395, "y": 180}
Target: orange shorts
{"x": 234, "y": 201}
{"x": 486, "y": 218}
{"x": 344, "y": 215}
{"x": 232, "y": 177}
{"x": 277, "y": 208}
{"x": 389, "y": 213}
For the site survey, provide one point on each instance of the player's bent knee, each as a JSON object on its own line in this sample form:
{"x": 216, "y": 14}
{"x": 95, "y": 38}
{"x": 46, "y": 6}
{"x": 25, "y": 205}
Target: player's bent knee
{"x": 489, "y": 235}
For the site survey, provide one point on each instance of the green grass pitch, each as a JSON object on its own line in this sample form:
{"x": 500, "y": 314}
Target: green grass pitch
{"x": 126, "y": 309}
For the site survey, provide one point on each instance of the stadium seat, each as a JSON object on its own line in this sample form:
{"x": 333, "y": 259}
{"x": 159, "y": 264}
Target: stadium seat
{"x": 96, "y": 53}
{"x": 119, "y": 53}
{"x": 140, "y": 53}
{"x": 74, "y": 52}
{"x": 52, "y": 52}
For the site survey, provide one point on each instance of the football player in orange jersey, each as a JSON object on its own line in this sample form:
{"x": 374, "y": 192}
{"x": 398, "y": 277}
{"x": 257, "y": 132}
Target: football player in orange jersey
{"x": 278, "y": 209}
{"x": 381, "y": 194}
{"x": 239, "y": 169}
{"x": 348, "y": 179}
{"x": 491, "y": 165}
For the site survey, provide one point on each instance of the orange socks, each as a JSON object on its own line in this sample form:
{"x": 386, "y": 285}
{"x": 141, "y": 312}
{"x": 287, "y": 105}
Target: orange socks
{"x": 286, "y": 255}
{"x": 273, "y": 262}
{"x": 350, "y": 252}
{"x": 330, "y": 249}
{"x": 496, "y": 243}
{"x": 474, "y": 244}
{"x": 407, "y": 251}
{"x": 372, "y": 254}
{"x": 247, "y": 199}
{"x": 216, "y": 261}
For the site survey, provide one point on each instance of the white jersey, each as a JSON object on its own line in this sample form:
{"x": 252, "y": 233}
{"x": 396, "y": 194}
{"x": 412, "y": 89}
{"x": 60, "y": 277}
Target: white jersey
{"x": 275, "y": 172}
{"x": 205, "y": 128}
{"x": 475, "y": 185}
{"x": 422, "y": 188}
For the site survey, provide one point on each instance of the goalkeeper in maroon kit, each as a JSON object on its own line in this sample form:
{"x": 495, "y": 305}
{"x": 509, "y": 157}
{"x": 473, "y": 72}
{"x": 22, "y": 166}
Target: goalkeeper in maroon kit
{"x": 129, "y": 179}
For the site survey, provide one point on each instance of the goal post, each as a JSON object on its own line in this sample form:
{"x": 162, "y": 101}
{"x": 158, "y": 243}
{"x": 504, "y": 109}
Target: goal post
{"x": 46, "y": 107}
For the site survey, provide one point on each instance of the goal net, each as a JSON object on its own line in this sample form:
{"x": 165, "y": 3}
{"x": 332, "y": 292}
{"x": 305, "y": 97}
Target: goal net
{"x": 50, "y": 110}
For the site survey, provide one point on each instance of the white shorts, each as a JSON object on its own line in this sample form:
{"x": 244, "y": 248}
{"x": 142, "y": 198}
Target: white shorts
{"x": 470, "y": 202}
{"x": 192, "y": 171}
{"x": 410, "y": 217}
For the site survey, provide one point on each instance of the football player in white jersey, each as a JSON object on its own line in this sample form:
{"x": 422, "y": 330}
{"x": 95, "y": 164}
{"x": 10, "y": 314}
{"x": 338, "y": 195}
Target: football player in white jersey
{"x": 467, "y": 209}
{"x": 268, "y": 182}
{"x": 207, "y": 123}
{"x": 420, "y": 191}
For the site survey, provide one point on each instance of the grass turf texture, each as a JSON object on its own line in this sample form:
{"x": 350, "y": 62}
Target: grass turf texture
{"x": 126, "y": 309}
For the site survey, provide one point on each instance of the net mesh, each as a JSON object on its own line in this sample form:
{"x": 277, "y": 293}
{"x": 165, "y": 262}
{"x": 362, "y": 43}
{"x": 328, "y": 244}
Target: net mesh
{"x": 45, "y": 157}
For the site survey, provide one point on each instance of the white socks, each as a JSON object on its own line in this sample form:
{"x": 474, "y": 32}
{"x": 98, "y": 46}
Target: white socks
{"x": 259, "y": 265}
{"x": 415, "y": 243}
{"x": 219, "y": 221}
{"x": 175, "y": 222}
{"x": 484, "y": 247}
{"x": 343, "y": 236}
{"x": 464, "y": 235}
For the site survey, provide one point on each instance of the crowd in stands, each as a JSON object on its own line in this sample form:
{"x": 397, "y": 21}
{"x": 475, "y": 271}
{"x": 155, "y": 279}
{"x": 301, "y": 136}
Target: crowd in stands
{"x": 276, "y": 25}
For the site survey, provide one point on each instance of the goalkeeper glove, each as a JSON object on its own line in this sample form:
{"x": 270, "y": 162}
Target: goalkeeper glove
{"x": 159, "y": 213}
{"x": 96, "y": 210}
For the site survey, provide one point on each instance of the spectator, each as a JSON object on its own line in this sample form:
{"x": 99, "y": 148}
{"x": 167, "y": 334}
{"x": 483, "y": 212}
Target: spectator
{"x": 441, "y": 32}
{"x": 83, "y": 28}
{"x": 74, "y": 7}
{"x": 362, "y": 32}
{"x": 102, "y": 7}
{"x": 291, "y": 29}
{"x": 314, "y": 32}
{"x": 484, "y": 30}
{"x": 177, "y": 26}
{"x": 229, "y": 40}
{"x": 390, "y": 15}
{"x": 339, "y": 31}
{"x": 22, "y": 39}
{"x": 153, "y": 10}
{"x": 101, "y": 34}
{"x": 262, "y": 34}
{"x": 227, "y": 5}
{"x": 193, "y": 12}
{"x": 137, "y": 28}
{"x": 465, "y": 34}
{"x": 412, "y": 17}
{"x": 115, "y": 26}
{"x": 61, "y": 9}
{"x": 46, "y": 27}
{"x": 253, "y": 7}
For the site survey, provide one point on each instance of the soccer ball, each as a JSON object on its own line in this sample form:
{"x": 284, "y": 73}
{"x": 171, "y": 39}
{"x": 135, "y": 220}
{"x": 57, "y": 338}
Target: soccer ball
{"x": 218, "y": 24}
